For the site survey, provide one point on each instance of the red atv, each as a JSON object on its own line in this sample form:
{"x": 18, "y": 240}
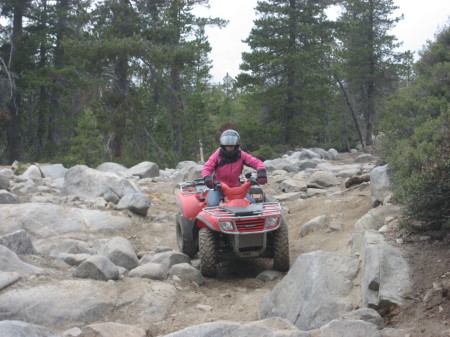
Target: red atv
{"x": 236, "y": 228}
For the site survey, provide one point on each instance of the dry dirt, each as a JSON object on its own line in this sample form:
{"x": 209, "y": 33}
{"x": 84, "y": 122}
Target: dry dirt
{"x": 236, "y": 294}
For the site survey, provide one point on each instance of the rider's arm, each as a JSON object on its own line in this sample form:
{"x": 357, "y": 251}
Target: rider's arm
{"x": 210, "y": 165}
{"x": 251, "y": 161}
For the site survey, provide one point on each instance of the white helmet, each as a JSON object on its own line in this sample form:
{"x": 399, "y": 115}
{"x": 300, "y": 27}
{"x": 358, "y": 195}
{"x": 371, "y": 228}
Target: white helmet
{"x": 230, "y": 138}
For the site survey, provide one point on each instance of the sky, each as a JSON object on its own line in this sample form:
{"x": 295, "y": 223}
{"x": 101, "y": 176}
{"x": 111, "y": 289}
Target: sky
{"x": 421, "y": 21}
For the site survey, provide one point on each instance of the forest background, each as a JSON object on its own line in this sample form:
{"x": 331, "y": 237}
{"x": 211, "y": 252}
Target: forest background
{"x": 83, "y": 82}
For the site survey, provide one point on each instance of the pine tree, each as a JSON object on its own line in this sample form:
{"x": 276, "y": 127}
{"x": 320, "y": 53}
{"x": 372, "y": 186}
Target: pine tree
{"x": 370, "y": 63}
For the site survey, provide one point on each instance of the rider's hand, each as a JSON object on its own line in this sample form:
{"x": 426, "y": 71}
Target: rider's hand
{"x": 209, "y": 181}
{"x": 261, "y": 177}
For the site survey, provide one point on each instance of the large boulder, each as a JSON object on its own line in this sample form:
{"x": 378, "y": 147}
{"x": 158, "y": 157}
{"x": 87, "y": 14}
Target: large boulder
{"x": 89, "y": 183}
{"x": 380, "y": 184}
{"x": 323, "y": 179}
{"x": 145, "y": 169}
{"x": 10, "y": 262}
{"x": 45, "y": 220}
{"x": 24, "y": 329}
{"x": 136, "y": 202}
{"x": 19, "y": 242}
{"x": 53, "y": 171}
{"x": 316, "y": 290}
{"x": 121, "y": 252}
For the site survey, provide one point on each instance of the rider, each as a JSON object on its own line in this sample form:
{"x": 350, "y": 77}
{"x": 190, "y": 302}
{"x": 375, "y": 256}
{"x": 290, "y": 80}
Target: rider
{"x": 226, "y": 164}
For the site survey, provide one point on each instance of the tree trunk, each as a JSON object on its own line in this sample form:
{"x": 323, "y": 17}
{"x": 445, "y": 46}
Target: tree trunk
{"x": 15, "y": 104}
{"x": 55, "y": 108}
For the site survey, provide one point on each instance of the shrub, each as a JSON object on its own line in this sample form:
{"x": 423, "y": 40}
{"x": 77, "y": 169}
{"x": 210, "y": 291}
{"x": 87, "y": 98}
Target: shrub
{"x": 422, "y": 171}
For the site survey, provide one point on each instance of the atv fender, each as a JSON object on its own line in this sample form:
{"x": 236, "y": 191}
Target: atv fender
{"x": 187, "y": 226}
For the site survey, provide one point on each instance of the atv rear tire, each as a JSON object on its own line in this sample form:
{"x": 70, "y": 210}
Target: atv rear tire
{"x": 186, "y": 246}
{"x": 208, "y": 246}
{"x": 281, "y": 249}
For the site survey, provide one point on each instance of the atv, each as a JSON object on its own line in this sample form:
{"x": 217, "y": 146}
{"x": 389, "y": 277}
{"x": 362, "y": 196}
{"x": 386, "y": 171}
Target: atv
{"x": 236, "y": 228}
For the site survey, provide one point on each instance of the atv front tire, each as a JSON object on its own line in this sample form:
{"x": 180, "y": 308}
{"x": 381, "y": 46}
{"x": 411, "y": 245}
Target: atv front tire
{"x": 281, "y": 249}
{"x": 208, "y": 247}
{"x": 186, "y": 246}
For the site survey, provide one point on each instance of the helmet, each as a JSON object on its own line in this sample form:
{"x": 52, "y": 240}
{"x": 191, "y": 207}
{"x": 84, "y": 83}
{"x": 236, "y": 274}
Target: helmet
{"x": 229, "y": 138}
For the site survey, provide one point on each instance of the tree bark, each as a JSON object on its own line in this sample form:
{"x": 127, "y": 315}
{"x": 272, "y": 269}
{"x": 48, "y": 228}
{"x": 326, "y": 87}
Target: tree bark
{"x": 15, "y": 103}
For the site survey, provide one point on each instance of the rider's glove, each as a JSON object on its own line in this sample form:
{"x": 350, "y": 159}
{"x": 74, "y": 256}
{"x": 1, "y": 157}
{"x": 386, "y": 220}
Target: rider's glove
{"x": 209, "y": 181}
{"x": 261, "y": 177}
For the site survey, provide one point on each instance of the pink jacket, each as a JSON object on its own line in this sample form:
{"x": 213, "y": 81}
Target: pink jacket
{"x": 229, "y": 173}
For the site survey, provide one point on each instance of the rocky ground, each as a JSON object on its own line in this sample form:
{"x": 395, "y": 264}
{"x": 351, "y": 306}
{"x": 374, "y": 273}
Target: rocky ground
{"x": 236, "y": 294}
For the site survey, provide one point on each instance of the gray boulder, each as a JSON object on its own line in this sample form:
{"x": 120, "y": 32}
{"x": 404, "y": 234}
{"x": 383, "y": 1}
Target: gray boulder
{"x": 168, "y": 259}
{"x": 10, "y": 262}
{"x": 121, "y": 252}
{"x": 116, "y": 168}
{"x": 97, "y": 267}
{"x": 33, "y": 172}
{"x": 313, "y": 225}
{"x": 23, "y": 329}
{"x": 380, "y": 184}
{"x": 154, "y": 271}
{"x": 8, "y": 278}
{"x": 8, "y": 198}
{"x": 187, "y": 273}
{"x": 7, "y": 172}
{"x": 45, "y": 220}
{"x": 272, "y": 327}
{"x": 315, "y": 291}
{"x": 323, "y": 179}
{"x": 53, "y": 171}
{"x": 111, "y": 329}
{"x": 385, "y": 274}
{"x": 4, "y": 182}
{"x": 136, "y": 202}
{"x": 374, "y": 219}
{"x": 89, "y": 183}
{"x": 145, "y": 169}
{"x": 365, "y": 314}
{"x": 19, "y": 242}
{"x": 355, "y": 328}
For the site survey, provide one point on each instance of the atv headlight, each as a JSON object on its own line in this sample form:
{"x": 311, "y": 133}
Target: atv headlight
{"x": 226, "y": 225}
{"x": 271, "y": 222}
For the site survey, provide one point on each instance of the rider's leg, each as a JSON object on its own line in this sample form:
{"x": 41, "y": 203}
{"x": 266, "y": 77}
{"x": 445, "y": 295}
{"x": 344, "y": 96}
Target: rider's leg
{"x": 214, "y": 197}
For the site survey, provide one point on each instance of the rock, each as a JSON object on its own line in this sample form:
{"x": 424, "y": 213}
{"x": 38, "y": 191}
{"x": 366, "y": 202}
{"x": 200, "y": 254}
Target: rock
{"x": 97, "y": 267}
{"x": 365, "y": 314}
{"x": 145, "y": 169}
{"x": 268, "y": 275}
{"x": 313, "y": 225}
{"x": 89, "y": 183}
{"x": 74, "y": 332}
{"x": 186, "y": 163}
{"x": 10, "y": 262}
{"x": 19, "y": 242}
{"x": 385, "y": 273}
{"x": 291, "y": 185}
{"x": 187, "y": 273}
{"x": 7, "y": 172}
{"x": 272, "y": 327}
{"x": 8, "y": 198}
{"x": 300, "y": 297}
{"x": 380, "y": 185}
{"x": 168, "y": 259}
{"x": 111, "y": 329}
{"x": 323, "y": 179}
{"x": 53, "y": 171}
{"x": 288, "y": 196}
{"x": 357, "y": 180}
{"x": 154, "y": 271}
{"x": 45, "y": 220}
{"x": 120, "y": 251}
{"x": 116, "y": 168}
{"x": 73, "y": 259}
{"x": 349, "y": 329}
{"x": 4, "y": 182}
{"x": 71, "y": 246}
{"x": 32, "y": 171}
{"x": 8, "y": 278}
{"x": 87, "y": 301}
{"x": 136, "y": 202}
{"x": 23, "y": 329}
{"x": 374, "y": 219}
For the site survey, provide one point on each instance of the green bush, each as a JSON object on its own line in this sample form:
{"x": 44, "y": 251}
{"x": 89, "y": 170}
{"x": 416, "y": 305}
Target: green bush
{"x": 422, "y": 171}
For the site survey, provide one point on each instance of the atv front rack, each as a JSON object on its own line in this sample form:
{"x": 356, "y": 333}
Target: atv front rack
{"x": 259, "y": 209}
